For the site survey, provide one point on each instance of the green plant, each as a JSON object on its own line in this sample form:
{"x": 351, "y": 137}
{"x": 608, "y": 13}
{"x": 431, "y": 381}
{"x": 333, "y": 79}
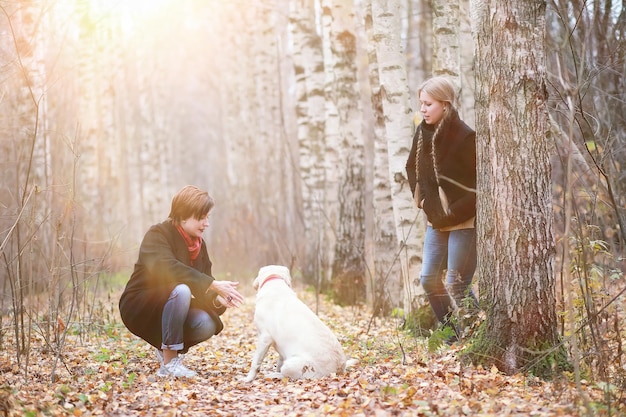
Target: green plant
{"x": 421, "y": 321}
{"x": 103, "y": 356}
{"x": 440, "y": 336}
{"x": 130, "y": 379}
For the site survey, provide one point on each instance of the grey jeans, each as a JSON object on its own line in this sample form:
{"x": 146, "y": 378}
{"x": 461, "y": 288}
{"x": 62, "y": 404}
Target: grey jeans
{"x": 182, "y": 326}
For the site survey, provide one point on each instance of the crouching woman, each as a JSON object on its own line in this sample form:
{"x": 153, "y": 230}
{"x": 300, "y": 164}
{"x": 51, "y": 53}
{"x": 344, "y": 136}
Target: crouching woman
{"x": 171, "y": 300}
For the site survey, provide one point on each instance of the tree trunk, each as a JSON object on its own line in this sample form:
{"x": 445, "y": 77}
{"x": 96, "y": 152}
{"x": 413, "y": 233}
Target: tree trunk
{"x": 344, "y": 235}
{"x": 446, "y": 53}
{"x": 399, "y": 229}
{"x": 419, "y": 42}
{"x": 514, "y": 206}
{"x": 309, "y": 86}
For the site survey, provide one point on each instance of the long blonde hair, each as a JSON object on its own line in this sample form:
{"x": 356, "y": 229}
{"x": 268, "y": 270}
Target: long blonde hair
{"x": 439, "y": 88}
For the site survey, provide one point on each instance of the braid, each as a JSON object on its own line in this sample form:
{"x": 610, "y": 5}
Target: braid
{"x": 420, "y": 141}
{"x": 432, "y": 153}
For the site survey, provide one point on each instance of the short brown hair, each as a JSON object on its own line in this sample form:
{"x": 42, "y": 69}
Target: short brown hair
{"x": 190, "y": 201}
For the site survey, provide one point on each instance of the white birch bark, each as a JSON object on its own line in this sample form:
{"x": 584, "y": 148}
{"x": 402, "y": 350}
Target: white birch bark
{"x": 466, "y": 55}
{"x": 380, "y": 260}
{"x": 418, "y": 45}
{"x": 405, "y": 224}
{"x": 344, "y": 235}
{"x": 446, "y": 53}
{"x": 332, "y": 156}
{"x": 309, "y": 90}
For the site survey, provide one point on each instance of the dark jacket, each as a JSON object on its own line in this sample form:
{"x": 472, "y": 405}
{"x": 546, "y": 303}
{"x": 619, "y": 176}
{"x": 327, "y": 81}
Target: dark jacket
{"x": 163, "y": 263}
{"x": 455, "y": 151}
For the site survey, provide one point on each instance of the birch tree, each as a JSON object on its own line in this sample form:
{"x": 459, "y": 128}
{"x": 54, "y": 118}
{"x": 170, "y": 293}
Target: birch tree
{"x": 514, "y": 208}
{"x": 344, "y": 152}
{"x": 418, "y": 43}
{"x": 446, "y": 55}
{"x": 309, "y": 89}
{"x": 398, "y": 228}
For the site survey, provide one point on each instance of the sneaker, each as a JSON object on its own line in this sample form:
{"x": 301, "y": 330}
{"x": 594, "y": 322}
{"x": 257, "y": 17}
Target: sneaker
{"x": 159, "y": 355}
{"x": 176, "y": 369}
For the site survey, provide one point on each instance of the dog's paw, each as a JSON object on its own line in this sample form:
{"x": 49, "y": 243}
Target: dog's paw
{"x": 251, "y": 375}
{"x": 274, "y": 375}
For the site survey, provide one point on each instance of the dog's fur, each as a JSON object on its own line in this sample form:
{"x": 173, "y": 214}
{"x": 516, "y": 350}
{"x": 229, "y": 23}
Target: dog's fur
{"x": 307, "y": 348}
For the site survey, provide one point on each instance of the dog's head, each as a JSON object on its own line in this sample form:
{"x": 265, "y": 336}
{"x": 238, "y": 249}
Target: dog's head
{"x": 271, "y": 271}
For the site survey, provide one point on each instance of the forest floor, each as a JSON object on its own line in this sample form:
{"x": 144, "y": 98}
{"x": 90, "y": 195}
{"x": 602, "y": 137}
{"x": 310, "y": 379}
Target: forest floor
{"x": 110, "y": 372}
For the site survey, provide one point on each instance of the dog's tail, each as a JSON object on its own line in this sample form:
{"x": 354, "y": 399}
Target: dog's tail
{"x": 351, "y": 363}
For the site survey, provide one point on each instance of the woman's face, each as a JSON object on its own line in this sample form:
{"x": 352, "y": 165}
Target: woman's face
{"x": 195, "y": 227}
{"x": 431, "y": 109}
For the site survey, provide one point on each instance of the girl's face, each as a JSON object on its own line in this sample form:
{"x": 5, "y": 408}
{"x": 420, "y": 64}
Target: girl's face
{"x": 195, "y": 227}
{"x": 431, "y": 109}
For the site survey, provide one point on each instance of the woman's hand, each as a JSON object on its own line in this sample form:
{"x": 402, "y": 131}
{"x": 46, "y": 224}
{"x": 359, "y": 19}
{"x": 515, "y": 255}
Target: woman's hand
{"x": 227, "y": 293}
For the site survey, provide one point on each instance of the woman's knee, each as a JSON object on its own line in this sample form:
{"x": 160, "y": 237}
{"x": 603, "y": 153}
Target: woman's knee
{"x": 432, "y": 284}
{"x": 181, "y": 291}
{"x": 201, "y": 324}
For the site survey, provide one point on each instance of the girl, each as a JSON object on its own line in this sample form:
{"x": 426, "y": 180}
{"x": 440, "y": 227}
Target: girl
{"x": 441, "y": 170}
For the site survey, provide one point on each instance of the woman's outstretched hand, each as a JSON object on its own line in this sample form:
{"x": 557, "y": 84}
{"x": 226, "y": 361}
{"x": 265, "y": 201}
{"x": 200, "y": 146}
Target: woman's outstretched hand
{"x": 227, "y": 293}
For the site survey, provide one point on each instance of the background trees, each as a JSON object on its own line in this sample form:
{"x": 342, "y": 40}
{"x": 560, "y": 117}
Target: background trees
{"x": 285, "y": 111}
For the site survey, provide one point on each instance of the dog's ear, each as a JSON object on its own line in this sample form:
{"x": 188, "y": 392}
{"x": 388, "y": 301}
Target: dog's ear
{"x": 255, "y": 283}
{"x": 287, "y": 277}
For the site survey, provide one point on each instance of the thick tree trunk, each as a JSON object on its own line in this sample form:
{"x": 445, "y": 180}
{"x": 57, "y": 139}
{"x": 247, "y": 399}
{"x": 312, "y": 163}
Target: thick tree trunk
{"x": 514, "y": 193}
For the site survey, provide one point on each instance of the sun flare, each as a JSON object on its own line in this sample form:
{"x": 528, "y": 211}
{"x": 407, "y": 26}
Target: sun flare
{"x": 130, "y": 14}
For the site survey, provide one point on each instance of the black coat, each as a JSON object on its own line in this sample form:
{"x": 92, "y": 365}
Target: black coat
{"x": 455, "y": 151}
{"x": 163, "y": 263}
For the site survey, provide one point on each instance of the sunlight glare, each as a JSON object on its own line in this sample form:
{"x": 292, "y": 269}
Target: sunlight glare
{"x": 132, "y": 13}
{"x": 140, "y": 8}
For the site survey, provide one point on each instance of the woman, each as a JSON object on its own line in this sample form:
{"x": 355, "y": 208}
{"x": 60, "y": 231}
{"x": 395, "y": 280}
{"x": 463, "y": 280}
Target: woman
{"x": 171, "y": 300}
{"x": 443, "y": 181}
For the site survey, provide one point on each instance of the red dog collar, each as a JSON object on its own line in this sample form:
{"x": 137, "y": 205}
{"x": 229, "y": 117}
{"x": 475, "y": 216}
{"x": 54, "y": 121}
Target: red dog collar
{"x": 270, "y": 278}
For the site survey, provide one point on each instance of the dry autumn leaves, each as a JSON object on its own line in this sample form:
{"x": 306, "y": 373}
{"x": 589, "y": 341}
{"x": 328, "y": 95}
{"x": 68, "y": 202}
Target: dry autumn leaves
{"x": 109, "y": 372}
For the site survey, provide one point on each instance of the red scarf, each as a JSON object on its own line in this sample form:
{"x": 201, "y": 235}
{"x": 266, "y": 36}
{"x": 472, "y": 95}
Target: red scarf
{"x": 193, "y": 244}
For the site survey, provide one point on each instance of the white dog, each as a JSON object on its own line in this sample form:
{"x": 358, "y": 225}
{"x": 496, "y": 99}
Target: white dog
{"x": 307, "y": 348}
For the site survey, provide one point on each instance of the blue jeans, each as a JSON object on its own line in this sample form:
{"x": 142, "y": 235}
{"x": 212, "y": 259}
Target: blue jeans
{"x": 182, "y": 326}
{"x": 454, "y": 251}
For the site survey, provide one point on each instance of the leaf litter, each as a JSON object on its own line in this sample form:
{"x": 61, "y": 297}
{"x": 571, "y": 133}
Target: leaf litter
{"x": 113, "y": 373}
